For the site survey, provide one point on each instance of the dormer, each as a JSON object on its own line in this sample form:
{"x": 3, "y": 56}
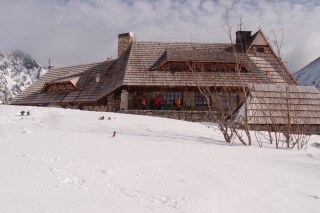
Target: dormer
{"x": 193, "y": 59}
{"x": 58, "y": 86}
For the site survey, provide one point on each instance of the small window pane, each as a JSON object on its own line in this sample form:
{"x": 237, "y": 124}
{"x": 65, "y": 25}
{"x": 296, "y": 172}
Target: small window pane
{"x": 68, "y": 86}
{"x": 208, "y": 67}
{"x": 174, "y": 66}
{"x": 260, "y": 50}
{"x": 184, "y": 66}
{"x": 200, "y": 99}
{"x": 61, "y": 87}
{"x": 173, "y": 96}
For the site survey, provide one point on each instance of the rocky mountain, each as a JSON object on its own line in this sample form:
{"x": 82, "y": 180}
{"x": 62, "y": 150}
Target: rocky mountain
{"x": 17, "y": 72}
{"x": 309, "y": 75}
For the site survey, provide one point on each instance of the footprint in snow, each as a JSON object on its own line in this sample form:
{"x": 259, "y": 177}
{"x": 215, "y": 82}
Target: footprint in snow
{"x": 66, "y": 176}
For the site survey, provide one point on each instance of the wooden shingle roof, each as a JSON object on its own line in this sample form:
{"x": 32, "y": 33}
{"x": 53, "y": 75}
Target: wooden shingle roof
{"x": 145, "y": 56}
{"x": 82, "y": 76}
{"x": 271, "y": 104}
{"x": 218, "y": 53}
{"x": 137, "y": 67}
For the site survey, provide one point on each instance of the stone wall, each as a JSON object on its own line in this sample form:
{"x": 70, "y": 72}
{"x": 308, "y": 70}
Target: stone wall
{"x": 96, "y": 108}
{"x": 194, "y": 116}
{"x": 113, "y": 104}
{"x": 73, "y": 106}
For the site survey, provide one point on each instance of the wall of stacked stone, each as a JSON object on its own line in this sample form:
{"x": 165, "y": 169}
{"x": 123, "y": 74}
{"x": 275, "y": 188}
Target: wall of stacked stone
{"x": 194, "y": 116}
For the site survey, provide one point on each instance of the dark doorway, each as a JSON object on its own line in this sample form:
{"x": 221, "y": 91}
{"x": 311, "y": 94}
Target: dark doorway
{"x": 138, "y": 101}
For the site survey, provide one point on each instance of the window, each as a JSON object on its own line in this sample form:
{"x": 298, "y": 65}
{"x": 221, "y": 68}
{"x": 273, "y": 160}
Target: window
{"x": 260, "y": 50}
{"x": 174, "y": 66}
{"x": 225, "y": 67}
{"x": 179, "y": 66}
{"x": 208, "y": 67}
{"x": 198, "y": 66}
{"x": 200, "y": 99}
{"x": 164, "y": 68}
{"x": 61, "y": 87}
{"x": 230, "y": 99}
{"x": 230, "y": 67}
{"x": 68, "y": 87}
{"x": 172, "y": 97}
{"x": 54, "y": 87}
{"x": 184, "y": 66}
{"x": 117, "y": 95}
{"x": 201, "y": 66}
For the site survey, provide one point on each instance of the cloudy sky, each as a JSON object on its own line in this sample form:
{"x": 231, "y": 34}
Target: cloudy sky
{"x": 78, "y": 31}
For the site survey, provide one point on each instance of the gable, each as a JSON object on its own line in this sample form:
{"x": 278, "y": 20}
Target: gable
{"x": 261, "y": 53}
{"x": 260, "y": 40}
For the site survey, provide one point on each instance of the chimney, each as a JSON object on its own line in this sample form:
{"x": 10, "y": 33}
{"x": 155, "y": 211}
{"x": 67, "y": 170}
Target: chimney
{"x": 242, "y": 37}
{"x": 98, "y": 78}
{"x": 124, "y": 40}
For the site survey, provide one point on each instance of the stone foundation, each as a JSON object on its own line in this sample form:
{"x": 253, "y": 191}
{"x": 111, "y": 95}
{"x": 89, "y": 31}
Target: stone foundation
{"x": 193, "y": 116}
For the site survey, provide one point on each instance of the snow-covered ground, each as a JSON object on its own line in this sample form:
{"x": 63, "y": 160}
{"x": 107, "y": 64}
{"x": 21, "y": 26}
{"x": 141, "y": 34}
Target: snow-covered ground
{"x": 60, "y": 160}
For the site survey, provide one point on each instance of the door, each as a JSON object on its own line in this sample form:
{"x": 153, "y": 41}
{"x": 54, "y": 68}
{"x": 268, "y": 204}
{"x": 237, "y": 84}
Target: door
{"x": 138, "y": 101}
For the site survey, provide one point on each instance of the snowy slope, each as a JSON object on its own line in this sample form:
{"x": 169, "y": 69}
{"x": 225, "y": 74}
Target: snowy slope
{"x": 309, "y": 75}
{"x": 61, "y": 160}
{"x": 17, "y": 72}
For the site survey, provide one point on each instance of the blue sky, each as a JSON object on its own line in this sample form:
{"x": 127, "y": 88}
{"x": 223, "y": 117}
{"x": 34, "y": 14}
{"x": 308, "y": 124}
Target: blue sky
{"x": 75, "y": 31}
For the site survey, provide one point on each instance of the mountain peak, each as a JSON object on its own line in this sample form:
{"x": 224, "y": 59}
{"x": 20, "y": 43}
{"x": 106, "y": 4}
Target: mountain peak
{"x": 17, "y": 72}
{"x": 310, "y": 74}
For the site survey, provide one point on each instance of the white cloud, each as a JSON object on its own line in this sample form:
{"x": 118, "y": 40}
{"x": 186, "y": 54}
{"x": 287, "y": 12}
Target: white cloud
{"x": 73, "y": 31}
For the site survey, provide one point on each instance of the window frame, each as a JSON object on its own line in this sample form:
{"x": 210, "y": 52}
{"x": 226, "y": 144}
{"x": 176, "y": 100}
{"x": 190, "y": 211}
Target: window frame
{"x": 260, "y": 49}
{"x": 208, "y": 65}
{"x": 172, "y": 96}
{"x": 200, "y": 66}
{"x": 230, "y": 99}
{"x": 54, "y": 87}
{"x": 61, "y": 87}
{"x": 200, "y": 99}
{"x": 117, "y": 95}
{"x": 174, "y": 66}
{"x": 222, "y": 67}
{"x": 68, "y": 87}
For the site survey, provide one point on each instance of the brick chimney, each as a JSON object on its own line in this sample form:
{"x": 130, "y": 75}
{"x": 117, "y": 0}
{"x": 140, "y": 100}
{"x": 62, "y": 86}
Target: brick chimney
{"x": 243, "y": 37}
{"x": 124, "y": 40}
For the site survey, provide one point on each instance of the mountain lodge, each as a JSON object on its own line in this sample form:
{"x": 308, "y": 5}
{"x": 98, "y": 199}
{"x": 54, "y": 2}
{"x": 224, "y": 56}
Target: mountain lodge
{"x": 147, "y": 70}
